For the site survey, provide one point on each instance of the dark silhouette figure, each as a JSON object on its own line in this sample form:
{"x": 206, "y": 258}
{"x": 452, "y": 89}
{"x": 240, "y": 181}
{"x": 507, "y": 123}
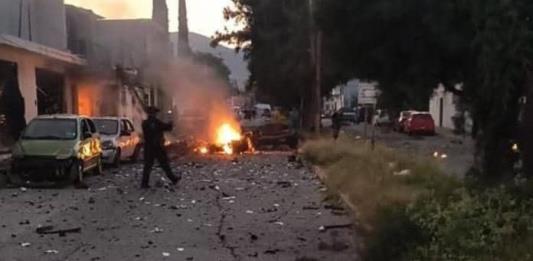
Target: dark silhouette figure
{"x": 336, "y": 123}
{"x": 12, "y": 109}
{"x": 154, "y": 148}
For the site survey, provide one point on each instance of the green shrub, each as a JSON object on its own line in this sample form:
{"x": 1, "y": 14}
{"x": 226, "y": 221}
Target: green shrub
{"x": 471, "y": 226}
{"x": 394, "y": 235}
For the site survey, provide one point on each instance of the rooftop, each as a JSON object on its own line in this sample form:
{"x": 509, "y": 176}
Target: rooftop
{"x": 49, "y": 52}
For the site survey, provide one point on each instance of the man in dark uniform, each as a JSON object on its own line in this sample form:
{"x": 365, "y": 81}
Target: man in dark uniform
{"x": 336, "y": 123}
{"x": 154, "y": 148}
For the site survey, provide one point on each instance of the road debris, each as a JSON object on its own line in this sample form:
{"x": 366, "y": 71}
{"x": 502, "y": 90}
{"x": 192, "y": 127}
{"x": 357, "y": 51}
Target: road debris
{"x": 405, "y": 172}
{"x": 48, "y": 230}
{"x": 329, "y": 227}
{"x": 284, "y": 184}
{"x": 156, "y": 230}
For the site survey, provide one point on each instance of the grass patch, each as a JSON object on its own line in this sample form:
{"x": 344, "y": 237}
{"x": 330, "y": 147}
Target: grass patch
{"x": 407, "y": 209}
{"x": 374, "y": 178}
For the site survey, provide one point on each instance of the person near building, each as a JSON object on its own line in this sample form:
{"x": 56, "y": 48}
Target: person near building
{"x": 154, "y": 147}
{"x": 294, "y": 120}
{"x": 12, "y": 119}
{"x": 336, "y": 123}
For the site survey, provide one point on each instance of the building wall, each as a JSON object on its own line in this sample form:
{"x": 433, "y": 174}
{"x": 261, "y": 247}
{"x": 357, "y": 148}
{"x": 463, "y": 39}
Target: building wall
{"x": 443, "y": 117}
{"x": 40, "y": 21}
{"x": 27, "y": 63}
{"x": 49, "y": 23}
{"x": 81, "y": 32}
{"x": 136, "y": 43}
{"x": 349, "y": 93}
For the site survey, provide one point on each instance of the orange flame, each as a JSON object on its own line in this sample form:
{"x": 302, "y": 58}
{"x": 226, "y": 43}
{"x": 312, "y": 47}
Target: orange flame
{"x": 225, "y": 135}
{"x": 203, "y": 150}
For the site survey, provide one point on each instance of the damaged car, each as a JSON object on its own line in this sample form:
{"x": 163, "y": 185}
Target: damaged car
{"x": 120, "y": 141}
{"x": 57, "y": 147}
{"x": 272, "y": 134}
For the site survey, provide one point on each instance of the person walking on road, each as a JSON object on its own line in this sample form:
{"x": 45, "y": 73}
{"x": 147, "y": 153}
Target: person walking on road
{"x": 154, "y": 148}
{"x": 336, "y": 123}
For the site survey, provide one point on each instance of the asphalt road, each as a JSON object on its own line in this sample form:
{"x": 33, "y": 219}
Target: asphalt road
{"x": 458, "y": 150}
{"x": 259, "y": 207}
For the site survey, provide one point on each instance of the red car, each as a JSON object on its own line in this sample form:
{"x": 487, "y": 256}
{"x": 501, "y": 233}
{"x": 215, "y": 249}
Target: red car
{"x": 420, "y": 123}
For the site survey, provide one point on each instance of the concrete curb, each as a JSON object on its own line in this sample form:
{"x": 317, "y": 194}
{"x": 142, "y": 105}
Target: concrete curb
{"x": 321, "y": 174}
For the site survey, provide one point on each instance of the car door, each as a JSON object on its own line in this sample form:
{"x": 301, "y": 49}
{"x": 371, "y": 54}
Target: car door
{"x": 86, "y": 144}
{"x": 124, "y": 140}
{"x": 135, "y": 138}
{"x": 96, "y": 146}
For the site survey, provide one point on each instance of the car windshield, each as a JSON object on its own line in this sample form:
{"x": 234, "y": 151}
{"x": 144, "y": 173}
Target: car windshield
{"x": 106, "y": 127}
{"x": 422, "y": 117}
{"x": 51, "y": 129}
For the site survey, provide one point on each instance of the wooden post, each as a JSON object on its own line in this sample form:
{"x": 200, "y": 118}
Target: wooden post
{"x": 318, "y": 83}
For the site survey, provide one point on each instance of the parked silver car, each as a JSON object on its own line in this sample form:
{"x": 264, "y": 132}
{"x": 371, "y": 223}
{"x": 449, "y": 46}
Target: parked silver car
{"x": 120, "y": 141}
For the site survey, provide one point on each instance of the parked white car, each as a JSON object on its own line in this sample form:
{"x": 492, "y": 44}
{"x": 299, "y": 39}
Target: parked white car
{"x": 120, "y": 141}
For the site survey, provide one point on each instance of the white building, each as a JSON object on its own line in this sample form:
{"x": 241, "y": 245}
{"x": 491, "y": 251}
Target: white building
{"x": 443, "y": 107}
{"x": 342, "y": 96}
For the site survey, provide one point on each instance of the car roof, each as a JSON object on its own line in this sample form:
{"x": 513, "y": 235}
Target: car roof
{"x": 109, "y": 118}
{"x": 60, "y": 116}
{"x": 420, "y": 112}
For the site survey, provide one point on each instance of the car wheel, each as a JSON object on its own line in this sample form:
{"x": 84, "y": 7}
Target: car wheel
{"x": 116, "y": 160}
{"x": 135, "y": 157}
{"x": 98, "y": 170}
{"x": 13, "y": 178}
{"x": 76, "y": 173}
{"x": 3, "y": 180}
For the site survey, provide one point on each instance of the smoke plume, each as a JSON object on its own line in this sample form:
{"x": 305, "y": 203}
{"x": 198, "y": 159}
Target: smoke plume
{"x": 197, "y": 91}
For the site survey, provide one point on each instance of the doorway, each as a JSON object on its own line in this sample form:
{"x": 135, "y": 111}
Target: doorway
{"x": 50, "y": 92}
{"x": 12, "y": 109}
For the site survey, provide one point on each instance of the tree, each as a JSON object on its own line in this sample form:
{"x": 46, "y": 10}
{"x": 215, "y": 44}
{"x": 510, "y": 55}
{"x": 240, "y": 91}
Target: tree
{"x": 216, "y": 63}
{"x": 276, "y": 42}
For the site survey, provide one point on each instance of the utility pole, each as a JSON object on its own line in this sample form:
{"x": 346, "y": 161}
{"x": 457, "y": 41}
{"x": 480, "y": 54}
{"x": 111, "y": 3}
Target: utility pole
{"x": 318, "y": 81}
{"x": 316, "y": 62}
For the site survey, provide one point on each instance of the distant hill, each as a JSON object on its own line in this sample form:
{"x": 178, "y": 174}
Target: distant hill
{"x": 234, "y": 61}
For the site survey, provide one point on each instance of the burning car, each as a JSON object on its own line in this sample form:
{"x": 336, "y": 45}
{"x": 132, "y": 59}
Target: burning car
{"x": 272, "y": 133}
{"x": 229, "y": 140}
{"x": 120, "y": 141}
{"x": 57, "y": 147}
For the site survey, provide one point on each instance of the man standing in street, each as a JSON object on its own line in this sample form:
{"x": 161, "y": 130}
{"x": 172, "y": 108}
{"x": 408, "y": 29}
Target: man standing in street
{"x": 294, "y": 120}
{"x": 336, "y": 123}
{"x": 154, "y": 148}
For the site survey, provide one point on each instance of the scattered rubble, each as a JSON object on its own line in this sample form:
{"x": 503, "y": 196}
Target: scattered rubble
{"x": 48, "y": 230}
{"x": 405, "y": 172}
{"x": 329, "y": 227}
